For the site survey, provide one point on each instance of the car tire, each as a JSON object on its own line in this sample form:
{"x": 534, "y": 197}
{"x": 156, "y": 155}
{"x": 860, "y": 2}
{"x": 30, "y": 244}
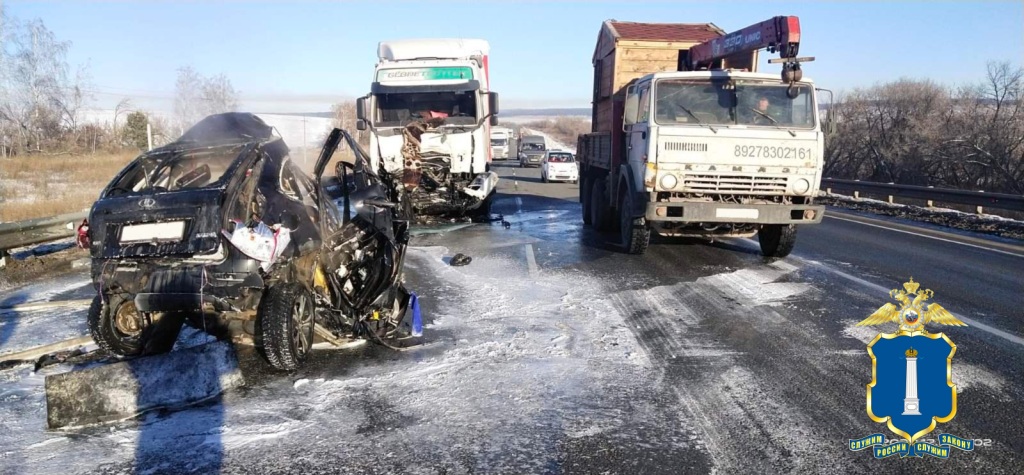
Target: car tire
{"x": 777, "y": 240}
{"x": 599, "y": 205}
{"x": 635, "y": 239}
{"x": 104, "y": 328}
{"x": 284, "y": 321}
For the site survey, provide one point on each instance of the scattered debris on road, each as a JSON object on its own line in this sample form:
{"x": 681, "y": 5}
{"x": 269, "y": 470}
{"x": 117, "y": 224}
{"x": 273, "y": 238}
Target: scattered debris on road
{"x": 460, "y": 259}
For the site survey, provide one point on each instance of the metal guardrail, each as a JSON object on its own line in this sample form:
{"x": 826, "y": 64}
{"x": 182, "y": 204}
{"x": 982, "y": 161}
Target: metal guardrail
{"x": 38, "y": 231}
{"x": 980, "y": 199}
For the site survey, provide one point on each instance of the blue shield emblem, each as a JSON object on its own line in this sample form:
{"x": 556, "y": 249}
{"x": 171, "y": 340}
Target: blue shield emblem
{"x": 911, "y": 388}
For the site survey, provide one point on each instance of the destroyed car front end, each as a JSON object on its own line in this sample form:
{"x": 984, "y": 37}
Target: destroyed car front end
{"x": 223, "y": 230}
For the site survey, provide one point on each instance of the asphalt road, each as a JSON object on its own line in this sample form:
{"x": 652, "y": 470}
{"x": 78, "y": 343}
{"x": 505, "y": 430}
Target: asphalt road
{"x": 553, "y": 352}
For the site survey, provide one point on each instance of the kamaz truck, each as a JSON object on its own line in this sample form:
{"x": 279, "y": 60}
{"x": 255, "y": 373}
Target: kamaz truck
{"x": 429, "y": 113}
{"x": 689, "y": 140}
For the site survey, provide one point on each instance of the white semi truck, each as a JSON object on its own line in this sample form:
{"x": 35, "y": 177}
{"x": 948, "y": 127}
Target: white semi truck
{"x": 501, "y": 143}
{"x": 691, "y": 141}
{"x": 429, "y": 114}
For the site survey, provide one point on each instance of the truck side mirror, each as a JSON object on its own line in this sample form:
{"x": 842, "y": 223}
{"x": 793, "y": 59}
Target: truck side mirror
{"x": 492, "y": 103}
{"x": 361, "y": 113}
{"x": 361, "y": 108}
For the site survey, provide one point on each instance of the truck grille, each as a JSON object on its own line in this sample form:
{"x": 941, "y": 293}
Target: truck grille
{"x": 686, "y": 147}
{"x": 735, "y": 184}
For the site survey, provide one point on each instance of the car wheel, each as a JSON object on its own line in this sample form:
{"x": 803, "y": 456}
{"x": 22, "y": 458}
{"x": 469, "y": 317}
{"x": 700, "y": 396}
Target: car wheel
{"x": 116, "y": 325}
{"x": 285, "y": 325}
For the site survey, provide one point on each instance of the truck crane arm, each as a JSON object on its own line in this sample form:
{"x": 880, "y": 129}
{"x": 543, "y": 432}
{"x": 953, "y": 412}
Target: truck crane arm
{"x": 779, "y": 34}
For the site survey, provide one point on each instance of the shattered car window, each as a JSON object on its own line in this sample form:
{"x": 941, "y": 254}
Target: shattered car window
{"x": 178, "y": 170}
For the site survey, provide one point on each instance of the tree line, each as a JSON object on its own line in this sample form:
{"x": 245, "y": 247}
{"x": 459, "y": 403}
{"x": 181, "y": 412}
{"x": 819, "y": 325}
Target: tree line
{"x": 42, "y": 97}
{"x": 916, "y": 132}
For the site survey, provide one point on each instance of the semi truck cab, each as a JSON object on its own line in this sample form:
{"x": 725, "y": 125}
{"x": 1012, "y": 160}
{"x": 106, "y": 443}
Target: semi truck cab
{"x": 429, "y": 114}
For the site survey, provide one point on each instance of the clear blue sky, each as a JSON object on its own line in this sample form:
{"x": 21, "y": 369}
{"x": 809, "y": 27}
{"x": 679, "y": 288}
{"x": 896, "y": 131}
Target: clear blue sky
{"x": 307, "y": 55}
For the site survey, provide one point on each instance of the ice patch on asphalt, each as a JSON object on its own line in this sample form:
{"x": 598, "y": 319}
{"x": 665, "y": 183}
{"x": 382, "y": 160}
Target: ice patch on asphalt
{"x": 519, "y": 365}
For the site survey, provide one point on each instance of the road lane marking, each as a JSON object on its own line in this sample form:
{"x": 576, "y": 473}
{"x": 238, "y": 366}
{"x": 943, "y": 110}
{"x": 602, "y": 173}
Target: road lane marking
{"x": 926, "y": 236}
{"x": 878, "y": 288}
{"x": 531, "y": 260}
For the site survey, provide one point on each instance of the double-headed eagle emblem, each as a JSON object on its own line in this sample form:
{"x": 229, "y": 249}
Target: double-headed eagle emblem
{"x": 911, "y": 315}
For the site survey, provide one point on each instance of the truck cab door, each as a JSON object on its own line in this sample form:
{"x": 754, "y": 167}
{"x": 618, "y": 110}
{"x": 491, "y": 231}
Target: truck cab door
{"x": 638, "y": 134}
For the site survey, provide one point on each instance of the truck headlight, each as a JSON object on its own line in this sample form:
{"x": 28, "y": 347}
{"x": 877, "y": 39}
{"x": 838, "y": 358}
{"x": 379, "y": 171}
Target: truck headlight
{"x": 801, "y": 186}
{"x": 669, "y": 181}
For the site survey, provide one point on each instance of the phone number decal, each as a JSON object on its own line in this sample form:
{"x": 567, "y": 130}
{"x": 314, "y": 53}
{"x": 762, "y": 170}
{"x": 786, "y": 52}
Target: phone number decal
{"x": 759, "y": 151}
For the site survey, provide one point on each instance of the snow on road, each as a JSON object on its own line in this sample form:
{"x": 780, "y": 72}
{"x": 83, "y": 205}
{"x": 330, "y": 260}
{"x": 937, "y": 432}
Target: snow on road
{"x": 25, "y": 329}
{"x": 552, "y": 143}
{"x": 519, "y": 366}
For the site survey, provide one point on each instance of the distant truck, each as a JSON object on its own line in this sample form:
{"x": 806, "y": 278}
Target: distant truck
{"x": 501, "y": 141}
{"x": 531, "y": 150}
{"x": 429, "y": 114}
{"x": 688, "y": 140}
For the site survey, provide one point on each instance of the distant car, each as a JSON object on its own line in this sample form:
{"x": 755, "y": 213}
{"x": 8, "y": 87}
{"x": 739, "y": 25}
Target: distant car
{"x": 531, "y": 150}
{"x": 559, "y": 165}
{"x": 223, "y": 229}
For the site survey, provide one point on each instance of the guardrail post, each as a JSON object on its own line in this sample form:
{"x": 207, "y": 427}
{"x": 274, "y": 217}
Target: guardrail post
{"x": 828, "y": 190}
{"x": 931, "y": 204}
{"x": 890, "y": 199}
{"x": 980, "y": 210}
{"x": 856, "y": 195}
{"x": 4, "y": 256}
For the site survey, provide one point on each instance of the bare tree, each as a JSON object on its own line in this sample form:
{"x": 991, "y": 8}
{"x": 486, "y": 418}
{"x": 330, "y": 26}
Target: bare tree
{"x": 197, "y": 96}
{"x": 41, "y": 97}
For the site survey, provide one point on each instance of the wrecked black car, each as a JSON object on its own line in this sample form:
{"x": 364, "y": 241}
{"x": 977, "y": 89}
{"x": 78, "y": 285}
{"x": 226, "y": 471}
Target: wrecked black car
{"x": 222, "y": 230}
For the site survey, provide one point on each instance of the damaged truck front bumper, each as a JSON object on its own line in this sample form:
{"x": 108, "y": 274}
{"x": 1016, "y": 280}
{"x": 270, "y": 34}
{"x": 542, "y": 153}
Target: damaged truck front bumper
{"x": 482, "y": 185}
{"x": 711, "y": 212}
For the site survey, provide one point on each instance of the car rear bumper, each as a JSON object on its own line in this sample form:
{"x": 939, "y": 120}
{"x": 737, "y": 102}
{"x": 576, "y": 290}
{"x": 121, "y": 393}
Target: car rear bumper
{"x": 710, "y": 212}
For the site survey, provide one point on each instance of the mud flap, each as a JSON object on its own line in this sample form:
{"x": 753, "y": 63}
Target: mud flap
{"x": 123, "y": 390}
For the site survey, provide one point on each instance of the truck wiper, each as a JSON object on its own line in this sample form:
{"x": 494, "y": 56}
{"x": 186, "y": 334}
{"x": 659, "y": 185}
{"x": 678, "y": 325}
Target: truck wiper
{"x": 774, "y": 122}
{"x": 701, "y": 122}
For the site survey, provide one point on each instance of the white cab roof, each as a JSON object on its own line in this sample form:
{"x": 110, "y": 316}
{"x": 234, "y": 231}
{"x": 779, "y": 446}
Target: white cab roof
{"x": 456, "y": 48}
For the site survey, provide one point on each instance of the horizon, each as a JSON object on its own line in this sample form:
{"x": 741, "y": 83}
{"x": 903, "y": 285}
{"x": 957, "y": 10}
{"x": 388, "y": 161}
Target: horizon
{"x": 277, "y": 62}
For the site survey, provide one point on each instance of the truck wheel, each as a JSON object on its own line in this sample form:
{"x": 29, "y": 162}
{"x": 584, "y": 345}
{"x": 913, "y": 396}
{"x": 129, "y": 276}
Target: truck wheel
{"x": 777, "y": 240}
{"x": 599, "y": 204}
{"x": 284, "y": 323}
{"x": 634, "y": 238}
{"x": 585, "y": 199}
{"x": 116, "y": 325}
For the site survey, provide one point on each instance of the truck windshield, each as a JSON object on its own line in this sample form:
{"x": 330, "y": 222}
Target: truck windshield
{"x": 499, "y": 142}
{"x": 733, "y": 102}
{"x": 397, "y": 110}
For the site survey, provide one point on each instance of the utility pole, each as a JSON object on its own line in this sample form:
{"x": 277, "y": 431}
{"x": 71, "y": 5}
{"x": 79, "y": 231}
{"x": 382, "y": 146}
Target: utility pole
{"x": 149, "y": 136}
{"x": 305, "y": 161}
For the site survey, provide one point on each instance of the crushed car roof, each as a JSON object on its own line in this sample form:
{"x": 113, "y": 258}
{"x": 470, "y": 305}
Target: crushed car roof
{"x": 229, "y": 126}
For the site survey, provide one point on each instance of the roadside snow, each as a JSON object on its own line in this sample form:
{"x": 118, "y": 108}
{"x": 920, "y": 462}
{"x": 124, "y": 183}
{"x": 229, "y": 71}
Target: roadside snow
{"x": 517, "y": 365}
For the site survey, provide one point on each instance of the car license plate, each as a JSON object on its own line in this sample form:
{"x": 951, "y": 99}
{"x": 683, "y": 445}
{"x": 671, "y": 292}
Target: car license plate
{"x": 736, "y": 213}
{"x": 150, "y": 232}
